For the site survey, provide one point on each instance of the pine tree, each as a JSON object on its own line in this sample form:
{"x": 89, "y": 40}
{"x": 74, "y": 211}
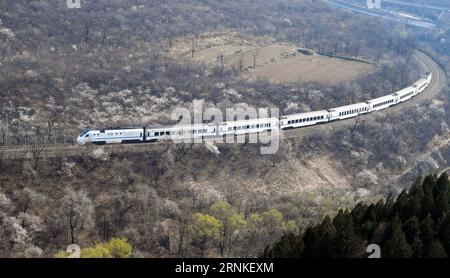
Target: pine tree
{"x": 426, "y": 230}
{"x": 397, "y": 246}
{"x": 436, "y": 250}
{"x": 441, "y": 207}
{"x": 325, "y": 245}
{"x": 412, "y": 228}
{"x": 413, "y": 206}
{"x": 417, "y": 247}
{"x": 399, "y": 206}
{"x": 427, "y": 200}
{"x": 348, "y": 243}
{"x": 443, "y": 185}
{"x": 445, "y": 235}
{"x": 309, "y": 238}
{"x": 290, "y": 246}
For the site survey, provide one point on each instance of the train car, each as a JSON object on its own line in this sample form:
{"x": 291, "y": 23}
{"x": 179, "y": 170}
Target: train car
{"x": 181, "y": 132}
{"x": 348, "y": 111}
{"x": 382, "y": 102}
{"x": 304, "y": 119}
{"x": 247, "y": 126}
{"x": 405, "y": 94}
{"x": 422, "y": 84}
{"x": 111, "y": 136}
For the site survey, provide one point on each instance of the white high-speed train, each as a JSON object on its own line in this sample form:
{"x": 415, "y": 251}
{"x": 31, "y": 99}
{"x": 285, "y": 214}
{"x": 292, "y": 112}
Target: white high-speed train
{"x": 141, "y": 135}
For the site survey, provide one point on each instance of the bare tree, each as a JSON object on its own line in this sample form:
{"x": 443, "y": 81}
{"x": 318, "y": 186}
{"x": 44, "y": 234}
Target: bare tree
{"x": 2, "y": 151}
{"x": 36, "y": 150}
{"x": 241, "y": 63}
{"x": 221, "y": 64}
{"x": 147, "y": 205}
{"x": 87, "y": 29}
{"x": 77, "y": 212}
{"x": 255, "y": 53}
{"x": 181, "y": 150}
{"x": 193, "y": 46}
{"x": 50, "y": 126}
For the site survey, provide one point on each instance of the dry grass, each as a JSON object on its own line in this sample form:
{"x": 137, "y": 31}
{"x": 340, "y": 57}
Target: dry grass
{"x": 312, "y": 68}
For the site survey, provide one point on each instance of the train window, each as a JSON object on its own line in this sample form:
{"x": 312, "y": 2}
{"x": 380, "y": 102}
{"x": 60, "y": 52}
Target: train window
{"x": 167, "y": 132}
{"x": 156, "y": 133}
{"x": 87, "y": 135}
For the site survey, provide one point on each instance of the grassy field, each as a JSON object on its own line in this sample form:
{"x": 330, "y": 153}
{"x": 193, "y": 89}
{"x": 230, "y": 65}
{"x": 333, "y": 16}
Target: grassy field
{"x": 312, "y": 68}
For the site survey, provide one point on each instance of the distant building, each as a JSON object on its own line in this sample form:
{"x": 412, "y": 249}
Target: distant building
{"x": 374, "y": 4}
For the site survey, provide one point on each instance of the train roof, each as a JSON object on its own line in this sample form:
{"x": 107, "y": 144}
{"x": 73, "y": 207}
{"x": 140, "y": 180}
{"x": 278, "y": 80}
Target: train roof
{"x": 421, "y": 81}
{"x": 249, "y": 121}
{"x": 405, "y": 90}
{"x": 381, "y": 98}
{"x": 306, "y": 114}
{"x": 346, "y": 107}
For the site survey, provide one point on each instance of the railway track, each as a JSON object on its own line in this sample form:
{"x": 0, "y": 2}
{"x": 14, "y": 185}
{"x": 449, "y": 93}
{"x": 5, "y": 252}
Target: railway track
{"x": 427, "y": 64}
{"x": 437, "y": 84}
